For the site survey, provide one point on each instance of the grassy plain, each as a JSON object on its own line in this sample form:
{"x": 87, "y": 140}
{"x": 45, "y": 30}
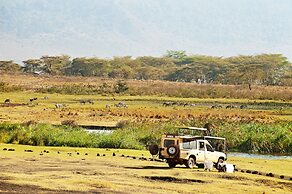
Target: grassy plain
{"x": 91, "y": 85}
{"x": 261, "y": 125}
{"x": 139, "y": 107}
{"x": 144, "y": 99}
{"x": 51, "y": 172}
{"x": 55, "y": 172}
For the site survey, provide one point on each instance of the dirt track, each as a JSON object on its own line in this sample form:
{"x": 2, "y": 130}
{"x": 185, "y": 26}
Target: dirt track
{"x": 6, "y": 187}
{"x": 83, "y": 170}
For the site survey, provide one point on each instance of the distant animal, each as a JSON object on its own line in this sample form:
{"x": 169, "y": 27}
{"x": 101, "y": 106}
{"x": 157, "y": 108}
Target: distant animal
{"x": 243, "y": 106}
{"x": 121, "y": 104}
{"x": 216, "y": 106}
{"x": 166, "y": 104}
{"x": 186, "y": 104}
{"x": 46, "y": 98}
{"x": 107, "y": 106}
{"x": 60, "y": 105}
{"x": 229, "y": 107}
{"x": 84, "y": 101}
{"x": 7, "y": 101}
{"x": 32, "y": 99}
{"x": 169, "y": 103}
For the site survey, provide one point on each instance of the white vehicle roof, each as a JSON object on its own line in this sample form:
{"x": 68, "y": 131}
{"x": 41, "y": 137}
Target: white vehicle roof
{"x": 193, "y": 128}
{"x": 194, "y": 137}
{"x": 211, "y": 137}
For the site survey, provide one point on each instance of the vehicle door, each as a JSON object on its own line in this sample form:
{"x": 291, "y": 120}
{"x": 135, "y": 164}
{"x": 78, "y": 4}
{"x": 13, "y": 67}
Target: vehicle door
{"x": 210, "y": 153}
{"x": 200, "y": 156}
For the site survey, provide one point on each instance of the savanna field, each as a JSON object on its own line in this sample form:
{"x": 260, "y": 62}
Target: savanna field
{"x": 46, "y": 111}
{"x": 149, "y": 97}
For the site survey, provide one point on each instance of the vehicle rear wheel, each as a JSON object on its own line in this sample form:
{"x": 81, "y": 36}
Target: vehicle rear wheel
{"x": 190, "y": 163}
{"x": 171, "y": 164}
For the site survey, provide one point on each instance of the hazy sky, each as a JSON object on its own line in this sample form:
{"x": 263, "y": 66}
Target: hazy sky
{"x": 106, "y": 28}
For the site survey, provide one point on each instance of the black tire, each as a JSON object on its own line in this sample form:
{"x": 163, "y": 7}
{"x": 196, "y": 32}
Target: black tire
{"x": 190, "y": 163}
{"x": 172, "y": 150}
{"x": 171, "y": 164}
{"x": 154, "y": 149}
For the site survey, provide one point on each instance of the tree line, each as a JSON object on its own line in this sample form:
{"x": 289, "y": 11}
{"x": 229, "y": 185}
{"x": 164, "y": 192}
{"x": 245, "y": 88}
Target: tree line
{"x": 263, "y": 69}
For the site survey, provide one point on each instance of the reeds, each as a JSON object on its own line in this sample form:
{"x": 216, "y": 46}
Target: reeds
{"x": 244, "y": 137}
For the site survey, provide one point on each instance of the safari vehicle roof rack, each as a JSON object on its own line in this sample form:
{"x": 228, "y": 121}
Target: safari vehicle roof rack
{"x": 212, "y": 137}
{"x": 192, "y": 128}
{"x": 181, "y": 129}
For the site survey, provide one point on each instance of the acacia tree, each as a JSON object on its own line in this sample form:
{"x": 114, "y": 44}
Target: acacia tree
{"x": 32, "y": 65}
{"x": 266, "y": 68}
{"x": 176, "y": 54}
{"x": 122, "y": 67}
{"x": 89, "y": 67}
{"x": 269, "y": 69}
{"x": 55, "y": 65}
{"x": 9, "y": 66}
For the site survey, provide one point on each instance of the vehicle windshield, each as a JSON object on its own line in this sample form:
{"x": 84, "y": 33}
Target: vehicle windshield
{"x": 209, "y": 148}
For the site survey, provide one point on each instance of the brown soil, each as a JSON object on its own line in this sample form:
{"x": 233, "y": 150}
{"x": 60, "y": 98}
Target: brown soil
{"x": 173, "y": 179}
{"x": 12, "y": 104}
{"x": 6, "y": 187}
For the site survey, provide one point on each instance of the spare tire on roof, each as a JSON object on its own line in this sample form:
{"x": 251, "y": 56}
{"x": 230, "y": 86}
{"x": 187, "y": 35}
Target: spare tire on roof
{"x": 172, "y": 150}
{"x": 154, "y": 149}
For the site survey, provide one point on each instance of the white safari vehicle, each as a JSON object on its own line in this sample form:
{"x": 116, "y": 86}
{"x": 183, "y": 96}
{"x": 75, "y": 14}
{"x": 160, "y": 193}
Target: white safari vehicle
{"x": 190, "y": 150}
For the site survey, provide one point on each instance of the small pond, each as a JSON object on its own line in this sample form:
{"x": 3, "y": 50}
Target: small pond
{"x": 259, "y": 156}
{"x": 100, "y": 131}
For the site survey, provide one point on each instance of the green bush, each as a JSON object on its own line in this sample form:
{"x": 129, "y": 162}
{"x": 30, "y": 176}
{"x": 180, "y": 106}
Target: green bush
{"x": 5, "y": 87}
{"x": 243, "y": 137}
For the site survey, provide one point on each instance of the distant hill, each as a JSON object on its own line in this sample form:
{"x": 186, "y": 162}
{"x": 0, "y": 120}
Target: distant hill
{"x": 106, "y": 28}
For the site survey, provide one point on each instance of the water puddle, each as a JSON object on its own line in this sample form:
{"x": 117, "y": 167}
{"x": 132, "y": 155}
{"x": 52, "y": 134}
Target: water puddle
{"x": 259, "y": 156}
{"x": 100, "y": 131}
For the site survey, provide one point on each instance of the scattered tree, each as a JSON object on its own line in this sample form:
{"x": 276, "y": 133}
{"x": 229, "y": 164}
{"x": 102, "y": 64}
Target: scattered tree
{"x": 9, "y": 66}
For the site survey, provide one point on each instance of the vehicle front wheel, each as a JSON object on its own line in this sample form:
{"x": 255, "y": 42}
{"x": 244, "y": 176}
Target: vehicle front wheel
{"x": 190, "y": 163}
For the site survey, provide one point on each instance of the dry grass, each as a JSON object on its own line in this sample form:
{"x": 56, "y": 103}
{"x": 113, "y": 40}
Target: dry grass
{"x": 114, "y": 174}
{"x": 157, "y": 88}
{"x": 140, "y": 108}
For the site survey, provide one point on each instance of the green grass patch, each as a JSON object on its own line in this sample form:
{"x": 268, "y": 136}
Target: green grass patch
{"x": 244, "y": 137}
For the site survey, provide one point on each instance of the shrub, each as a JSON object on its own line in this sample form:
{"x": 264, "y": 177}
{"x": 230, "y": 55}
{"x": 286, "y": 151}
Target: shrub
{"x": 71, "y": 123}
{"x": 6, "y": 87}
{"x": 240, "y": 136}
{"x": 121, "y": 87}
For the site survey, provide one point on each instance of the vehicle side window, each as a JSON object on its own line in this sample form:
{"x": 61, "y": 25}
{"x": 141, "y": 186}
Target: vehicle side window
{"x": 168, "y": 142}
{"x": 202, "y": 147}
{"x": 186, "y": 145}
{"x": 209, "y": 148}
{"x": 193, "y": 145}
